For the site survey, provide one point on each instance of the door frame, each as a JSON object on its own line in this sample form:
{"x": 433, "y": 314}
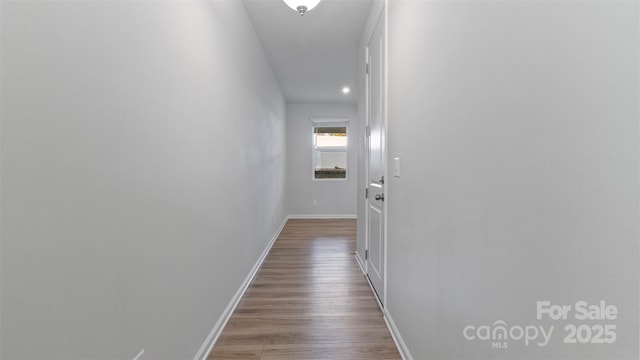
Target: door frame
{"x": 382, "y": 14}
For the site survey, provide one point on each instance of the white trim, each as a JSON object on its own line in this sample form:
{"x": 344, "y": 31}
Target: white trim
{"x": 140, "y": 355}
{"x": 332, "y": 121}
{"x": 385, "y": 120}
{"x": 378, "y": 16}
{"x": 397, "y": 338}
{"x": 374, "y": 293}
{"x": 210, "y": 341}
{"x": 374, "y": 14}
{"x": 393, "y": 330}
{"x": 361, "y": 263}
{"x": 315, "y": 122}
{"x": 319, "y": 217}
{"x": 367, "y": 150}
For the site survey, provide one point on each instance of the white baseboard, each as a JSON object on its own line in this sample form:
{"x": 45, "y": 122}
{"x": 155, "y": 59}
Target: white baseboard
{"x": 373, "y": 292}
{"x": 360, "y": 263}
{"x": 226, "y": 315}
{"x": 313, "y": 216}
{"x": 397, "y": 338}
{"x": 395, "y": 334}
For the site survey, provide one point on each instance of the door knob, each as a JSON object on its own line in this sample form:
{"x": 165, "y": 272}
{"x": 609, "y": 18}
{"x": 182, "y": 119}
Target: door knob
{"x": 379, "y": 197}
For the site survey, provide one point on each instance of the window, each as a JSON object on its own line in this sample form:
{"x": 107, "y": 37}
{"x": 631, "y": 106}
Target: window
{"x": 329, "y": 152}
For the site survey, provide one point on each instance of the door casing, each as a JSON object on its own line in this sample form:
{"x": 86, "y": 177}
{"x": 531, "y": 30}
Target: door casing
{"x": 373, "y": 190}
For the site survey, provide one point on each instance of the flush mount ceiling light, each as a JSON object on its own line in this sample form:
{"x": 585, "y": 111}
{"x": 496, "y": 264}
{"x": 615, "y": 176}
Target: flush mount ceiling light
{"x": 302, "y": 6}
{"x": 346, "y": 90}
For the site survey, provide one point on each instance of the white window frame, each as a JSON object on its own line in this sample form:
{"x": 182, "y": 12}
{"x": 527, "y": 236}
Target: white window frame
{"x": 329, "y": 122}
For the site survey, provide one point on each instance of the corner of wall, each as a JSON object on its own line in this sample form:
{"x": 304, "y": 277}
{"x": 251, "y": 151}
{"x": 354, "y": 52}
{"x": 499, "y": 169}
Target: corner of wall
{"x": 397, "y": 338}
{"x": 215, "y": 332}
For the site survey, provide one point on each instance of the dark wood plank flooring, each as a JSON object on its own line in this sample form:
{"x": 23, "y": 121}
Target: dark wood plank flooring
{"x": 308, "y": 301}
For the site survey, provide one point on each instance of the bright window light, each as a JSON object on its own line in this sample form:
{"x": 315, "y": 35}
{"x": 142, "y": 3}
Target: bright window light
{"x": 330, "y": 152}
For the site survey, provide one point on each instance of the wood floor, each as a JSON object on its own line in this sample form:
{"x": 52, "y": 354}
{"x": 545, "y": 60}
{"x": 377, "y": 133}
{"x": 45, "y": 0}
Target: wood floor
{"x": 309, "y": 300}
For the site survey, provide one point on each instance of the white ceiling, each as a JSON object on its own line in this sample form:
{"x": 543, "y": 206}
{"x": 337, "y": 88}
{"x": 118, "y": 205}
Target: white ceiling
{"x": 313, "y": 56}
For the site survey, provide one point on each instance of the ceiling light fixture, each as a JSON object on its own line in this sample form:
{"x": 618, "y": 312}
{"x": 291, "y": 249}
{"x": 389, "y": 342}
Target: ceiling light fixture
{"x": 346, "y": 90}
{"x": 302, "y": 6}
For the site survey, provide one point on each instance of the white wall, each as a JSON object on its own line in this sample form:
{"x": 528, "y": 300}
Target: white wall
{"x": 517, "y": 128}
{"x": 143, "y": 164}
{"x": 333, "y": 197}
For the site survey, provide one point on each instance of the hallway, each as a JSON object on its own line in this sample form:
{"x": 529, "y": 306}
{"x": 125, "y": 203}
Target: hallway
{"x": 308, "y": 301}
{"x": 151, "y": 152}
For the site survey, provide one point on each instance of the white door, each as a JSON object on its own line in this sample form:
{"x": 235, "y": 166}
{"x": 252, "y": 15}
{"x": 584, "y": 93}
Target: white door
{"x": 376, "y": 160}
